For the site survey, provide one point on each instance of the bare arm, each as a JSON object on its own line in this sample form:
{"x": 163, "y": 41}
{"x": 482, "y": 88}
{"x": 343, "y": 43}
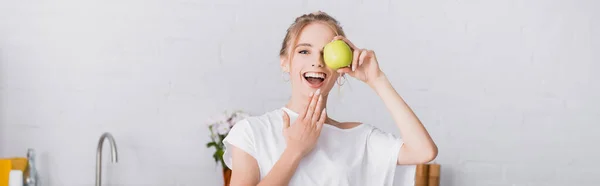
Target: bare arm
{"x": 418, "y": 146}
{"x": 246, "y": 170}
{"x": 283, "y": 170}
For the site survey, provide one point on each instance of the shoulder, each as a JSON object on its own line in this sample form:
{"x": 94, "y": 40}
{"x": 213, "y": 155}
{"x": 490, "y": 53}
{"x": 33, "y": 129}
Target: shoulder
{"x": 373, "y": 133}
{"x": 249, "y": 131}
{"x": 382, "y": 140}
{"x": 377, "y": 132}
{"x": 351, "y": 126}
{"x": 262, "y": 121}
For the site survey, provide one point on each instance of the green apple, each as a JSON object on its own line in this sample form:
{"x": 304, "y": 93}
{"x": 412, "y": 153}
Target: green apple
{"x": 337, "y": 54}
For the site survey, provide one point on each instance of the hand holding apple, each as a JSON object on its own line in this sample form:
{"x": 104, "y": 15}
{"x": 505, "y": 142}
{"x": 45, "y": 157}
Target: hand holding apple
{"x": 363, "y": 66}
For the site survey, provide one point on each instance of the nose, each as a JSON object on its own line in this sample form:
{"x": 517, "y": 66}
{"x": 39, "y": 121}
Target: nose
{"x": 319, "y": 62}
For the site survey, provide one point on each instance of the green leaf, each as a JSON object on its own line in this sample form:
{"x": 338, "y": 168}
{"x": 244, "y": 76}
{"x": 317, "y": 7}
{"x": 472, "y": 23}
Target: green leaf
{"x": 208, "y": 145}
{"x": 216, "y": 156}
{"x": 220, "y": 152}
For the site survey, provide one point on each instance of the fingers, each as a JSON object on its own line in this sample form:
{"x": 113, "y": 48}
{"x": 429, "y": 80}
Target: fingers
{"x": 344, "y": 70}
{"x": 356, "y": 54}
{"x": 356, "y": 58}
{"x": 318, "y": 110}
{"x": 322, "y": 119}
{"x": 338, "y": 37}
{"x": 360, "y": 57}
{"x": 347, "y": 42}
{"x": 303, "y": 114}
{"x": 286, "y": 120}
{"x": 312, "y": 105}
{"x": 363, "y": 56}
{"x": 368, "y": 55}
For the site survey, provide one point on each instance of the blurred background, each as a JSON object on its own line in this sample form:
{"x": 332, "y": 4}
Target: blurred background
{"x": 508, "y": 89}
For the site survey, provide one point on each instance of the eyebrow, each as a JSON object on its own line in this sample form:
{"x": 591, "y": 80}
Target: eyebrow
{"x": 303, "y": 44}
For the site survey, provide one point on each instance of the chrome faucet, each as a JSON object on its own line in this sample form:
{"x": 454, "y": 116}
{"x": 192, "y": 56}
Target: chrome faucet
{"x": 113, "y": 153}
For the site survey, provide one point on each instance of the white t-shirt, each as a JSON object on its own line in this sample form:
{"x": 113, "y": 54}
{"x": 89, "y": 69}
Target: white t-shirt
{"x": 363, "y": 155}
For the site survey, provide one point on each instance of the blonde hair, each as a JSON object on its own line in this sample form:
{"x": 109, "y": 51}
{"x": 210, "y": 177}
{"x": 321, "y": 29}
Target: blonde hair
{"x": 291, "y": 36}
{"x": 293, "y": 31}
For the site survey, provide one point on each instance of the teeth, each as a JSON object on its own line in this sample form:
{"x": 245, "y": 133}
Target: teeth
{"x": 315, "y": 75}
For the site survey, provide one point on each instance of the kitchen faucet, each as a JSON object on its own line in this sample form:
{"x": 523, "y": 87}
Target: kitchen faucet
{"x": 113, "y": 153}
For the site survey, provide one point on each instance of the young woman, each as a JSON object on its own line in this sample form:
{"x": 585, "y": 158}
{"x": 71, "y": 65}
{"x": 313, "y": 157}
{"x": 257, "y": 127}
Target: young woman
{"x": 299, "y": 144}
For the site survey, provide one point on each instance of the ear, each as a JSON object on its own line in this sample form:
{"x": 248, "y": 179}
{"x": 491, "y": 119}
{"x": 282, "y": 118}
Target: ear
{"x": 285, "y": 64}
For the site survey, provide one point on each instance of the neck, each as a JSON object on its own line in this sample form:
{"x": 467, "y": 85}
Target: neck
{"x": 299, "y": 102}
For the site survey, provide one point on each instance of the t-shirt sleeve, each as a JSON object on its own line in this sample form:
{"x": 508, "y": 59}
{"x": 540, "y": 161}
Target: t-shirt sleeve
{"x": 242, "y": 137}
{"x": 383, "y": 149}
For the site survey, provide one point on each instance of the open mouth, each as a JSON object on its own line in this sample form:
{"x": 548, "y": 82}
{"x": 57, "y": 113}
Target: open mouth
{"x": 315, "y": 78}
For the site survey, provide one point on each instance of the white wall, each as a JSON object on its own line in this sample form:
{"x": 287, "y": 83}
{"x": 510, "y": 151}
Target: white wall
{"x": 508, "y": 89}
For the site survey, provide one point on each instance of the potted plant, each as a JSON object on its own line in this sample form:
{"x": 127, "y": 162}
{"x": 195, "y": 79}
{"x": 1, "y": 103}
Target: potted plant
{"x": 219, "y": 127}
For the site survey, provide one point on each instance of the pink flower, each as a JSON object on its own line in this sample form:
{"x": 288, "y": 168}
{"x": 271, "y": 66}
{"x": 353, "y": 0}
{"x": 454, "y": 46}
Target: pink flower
{"x": 223, "y": 128}
{"x": 222, "y": 124}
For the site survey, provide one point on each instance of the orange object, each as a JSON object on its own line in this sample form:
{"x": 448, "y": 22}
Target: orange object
{"x": 19, "y": 163}
{"x": 421, "y": 175}
{"x": 226, "y": 176}
{"x": 434, "y": 175}
{"x": 427, "y": 174}
{"x": 5, "y": 168}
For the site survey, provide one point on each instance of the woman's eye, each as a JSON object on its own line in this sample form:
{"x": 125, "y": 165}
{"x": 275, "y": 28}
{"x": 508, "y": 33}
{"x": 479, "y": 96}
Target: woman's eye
{"x": 303, "y": 51}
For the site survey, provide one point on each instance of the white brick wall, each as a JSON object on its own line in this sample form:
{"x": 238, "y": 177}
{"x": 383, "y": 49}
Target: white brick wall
{"x": 508, "y": 89}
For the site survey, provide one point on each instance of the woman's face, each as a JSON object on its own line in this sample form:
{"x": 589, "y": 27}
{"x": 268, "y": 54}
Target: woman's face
{"x": 307, "y": 70}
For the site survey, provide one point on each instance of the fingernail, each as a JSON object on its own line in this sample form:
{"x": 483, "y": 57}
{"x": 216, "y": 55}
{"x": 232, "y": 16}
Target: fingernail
{"x": 311, "y": 94}
{"x": 318, "y": 91}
